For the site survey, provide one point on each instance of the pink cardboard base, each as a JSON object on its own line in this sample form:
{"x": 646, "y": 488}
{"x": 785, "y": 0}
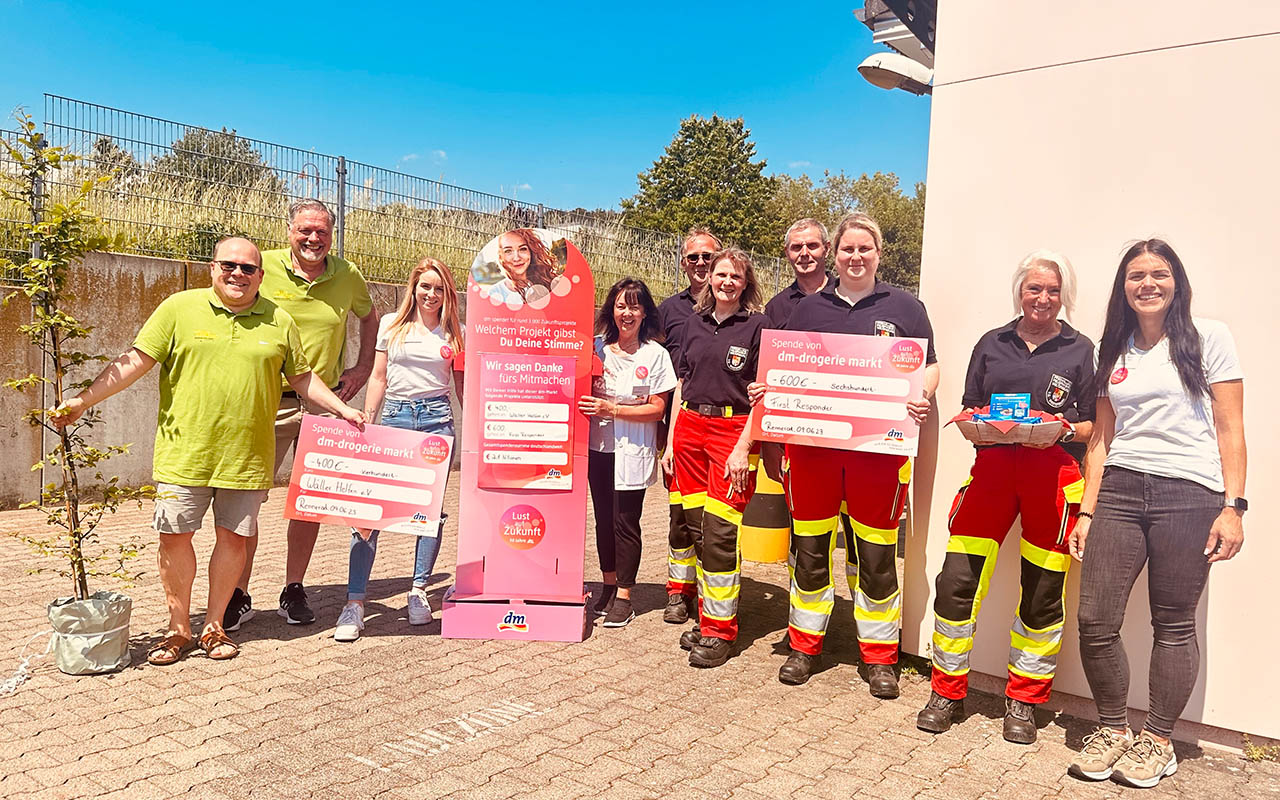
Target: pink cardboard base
{"x": 513, "y": 619}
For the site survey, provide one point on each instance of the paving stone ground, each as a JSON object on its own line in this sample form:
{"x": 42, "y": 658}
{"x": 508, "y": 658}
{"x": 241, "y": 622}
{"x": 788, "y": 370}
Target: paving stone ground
{"x": 403, "y": 713}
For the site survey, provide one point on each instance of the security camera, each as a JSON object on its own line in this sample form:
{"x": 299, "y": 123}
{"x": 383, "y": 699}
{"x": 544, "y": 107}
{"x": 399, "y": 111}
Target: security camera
{"x": 895, "y": 71}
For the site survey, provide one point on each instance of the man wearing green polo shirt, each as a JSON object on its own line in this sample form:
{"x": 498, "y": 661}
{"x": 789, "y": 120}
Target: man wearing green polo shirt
{"x": 222, "y": 352}
{"x": 319, "y": 290}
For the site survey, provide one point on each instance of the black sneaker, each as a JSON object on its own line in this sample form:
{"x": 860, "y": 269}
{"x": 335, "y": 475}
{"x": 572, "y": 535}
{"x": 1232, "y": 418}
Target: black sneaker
{"x": 620, "y": 613}
{"x": 605, "y": 600}
{"x": 239, "y": 610}
{"x": 293, "y": 606}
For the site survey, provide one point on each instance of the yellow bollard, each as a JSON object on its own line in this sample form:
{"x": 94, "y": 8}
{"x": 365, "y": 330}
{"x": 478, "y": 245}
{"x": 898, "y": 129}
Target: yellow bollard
{"x": 766, "y": 523}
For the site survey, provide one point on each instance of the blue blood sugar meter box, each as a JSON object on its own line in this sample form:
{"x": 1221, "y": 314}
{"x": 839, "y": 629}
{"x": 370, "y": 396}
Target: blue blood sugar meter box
{"x": 1009, "y": 407}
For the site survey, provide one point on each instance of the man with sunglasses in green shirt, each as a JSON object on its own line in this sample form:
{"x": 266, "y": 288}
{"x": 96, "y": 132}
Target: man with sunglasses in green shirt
{"x": 222, "y": 353}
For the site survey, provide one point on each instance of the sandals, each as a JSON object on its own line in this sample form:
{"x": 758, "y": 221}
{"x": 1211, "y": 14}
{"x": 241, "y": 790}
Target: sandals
{"x": 170, "y": 650}
{"x": 213, "y": 639}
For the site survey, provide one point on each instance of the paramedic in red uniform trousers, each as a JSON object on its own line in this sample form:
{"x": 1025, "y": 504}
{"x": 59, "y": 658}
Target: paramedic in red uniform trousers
{"x": 699, "y": 247}
{"x": 1039, "y": 354}
{"x": 710, "y": 444}
{"x": 873, "y": 486}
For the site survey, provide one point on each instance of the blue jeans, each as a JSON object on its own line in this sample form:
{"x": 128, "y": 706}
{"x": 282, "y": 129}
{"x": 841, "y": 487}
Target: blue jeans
{"x": 430, "y": 415}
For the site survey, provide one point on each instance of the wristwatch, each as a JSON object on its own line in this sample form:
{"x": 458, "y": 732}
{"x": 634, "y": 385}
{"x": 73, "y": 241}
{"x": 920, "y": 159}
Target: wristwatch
{"x": 1238, "y": 503}
{"x": 1069, "y": 435}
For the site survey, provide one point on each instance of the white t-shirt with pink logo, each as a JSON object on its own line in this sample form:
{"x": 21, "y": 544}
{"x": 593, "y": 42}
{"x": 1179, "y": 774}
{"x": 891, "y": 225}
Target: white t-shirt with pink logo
{"x": 420, "y": 365}
{"x": 629, "y": 379}
{"x": 1160, "y": 430}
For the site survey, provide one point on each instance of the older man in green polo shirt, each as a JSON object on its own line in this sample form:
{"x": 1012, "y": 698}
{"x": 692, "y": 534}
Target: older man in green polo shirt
{"x": 319, "y": 290}
{"x": 222, "y": 352}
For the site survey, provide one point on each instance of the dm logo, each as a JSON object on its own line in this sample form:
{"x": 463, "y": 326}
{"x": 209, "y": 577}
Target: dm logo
{"x": 418, "y": 516}
{"x": 554, "y": 473}
{"x": 513, "y": 622}
{"x": 894, "y": 435}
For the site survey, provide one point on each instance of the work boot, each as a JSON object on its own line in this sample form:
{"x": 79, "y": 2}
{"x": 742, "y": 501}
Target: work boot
{"x": 883, "y": 680}
{"x": 797, "y": 668}
{"x": 939, "y": 713}
{"x": 689, "y": 639}
{"x": 677, "y": 610}
{"x": 709, "y": 652}
{"x": 1019, "y": 721}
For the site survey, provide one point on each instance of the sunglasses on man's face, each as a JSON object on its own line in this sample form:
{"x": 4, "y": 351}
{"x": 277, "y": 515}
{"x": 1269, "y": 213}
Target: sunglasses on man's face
{"x": 698, "y": 258}
{"x": 229, "y": 267}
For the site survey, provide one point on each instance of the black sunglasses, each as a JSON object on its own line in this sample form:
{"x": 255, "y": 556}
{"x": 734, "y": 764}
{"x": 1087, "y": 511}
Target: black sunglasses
{"x": 695, "y": 258}
{"x": 229, "y": 267}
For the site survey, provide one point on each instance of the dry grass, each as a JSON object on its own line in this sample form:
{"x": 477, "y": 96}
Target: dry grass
{"x": 176, "y": 218}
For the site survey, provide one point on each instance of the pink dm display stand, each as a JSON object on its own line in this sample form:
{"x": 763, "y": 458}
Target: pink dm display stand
{"x": 523, "y": 495}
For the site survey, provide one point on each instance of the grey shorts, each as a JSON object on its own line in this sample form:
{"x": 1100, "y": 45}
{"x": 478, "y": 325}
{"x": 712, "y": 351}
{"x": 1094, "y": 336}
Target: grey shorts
{"x": 289, "y": 423}
{"x": 181, "y": 509}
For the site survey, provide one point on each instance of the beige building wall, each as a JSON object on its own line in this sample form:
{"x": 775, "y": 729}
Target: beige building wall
{"x": 1081, "y": 127}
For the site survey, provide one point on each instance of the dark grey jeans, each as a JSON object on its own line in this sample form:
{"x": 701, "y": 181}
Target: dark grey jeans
{"x": 1162, "y": 523}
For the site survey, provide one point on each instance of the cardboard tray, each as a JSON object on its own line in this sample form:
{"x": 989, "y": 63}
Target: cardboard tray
{"x": 983, "y": 432}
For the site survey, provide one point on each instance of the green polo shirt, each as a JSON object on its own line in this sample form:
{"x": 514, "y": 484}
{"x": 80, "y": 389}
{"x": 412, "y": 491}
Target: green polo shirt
{"x": 219, "y": 388}
{"x": 319, "y": 307}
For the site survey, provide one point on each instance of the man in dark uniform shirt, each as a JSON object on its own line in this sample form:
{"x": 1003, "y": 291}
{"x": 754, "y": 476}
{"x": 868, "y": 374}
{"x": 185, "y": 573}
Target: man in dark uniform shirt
{"x": 805, "y": 246}
{"x": 695, "y": 258}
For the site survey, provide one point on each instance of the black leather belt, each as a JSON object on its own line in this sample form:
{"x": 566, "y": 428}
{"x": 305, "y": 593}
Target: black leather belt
{"x": 708, "y": 410}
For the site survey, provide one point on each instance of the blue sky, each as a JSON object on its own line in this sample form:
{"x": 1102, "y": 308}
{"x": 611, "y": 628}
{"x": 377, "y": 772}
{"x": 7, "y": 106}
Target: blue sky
{"x": 560, "y": 103}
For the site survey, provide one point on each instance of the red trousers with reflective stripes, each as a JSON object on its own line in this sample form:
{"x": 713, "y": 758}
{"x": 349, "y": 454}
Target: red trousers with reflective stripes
{"x": 712, "y": 514}
{"x": 680, "y": 557}
{"x": 1042, "y": 486}
{"x": 872, "y": 487}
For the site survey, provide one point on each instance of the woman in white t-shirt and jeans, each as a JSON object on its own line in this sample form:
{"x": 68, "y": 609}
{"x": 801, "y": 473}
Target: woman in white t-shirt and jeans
{"x": 412, "y": 372}
{"x": 1165, "y": 473}
{"x": 626, "y": 402}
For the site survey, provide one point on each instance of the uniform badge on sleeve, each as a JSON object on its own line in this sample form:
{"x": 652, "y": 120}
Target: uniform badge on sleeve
{"x": 884, "y": 328}
{"x": 1055, "y": 395}
{"x": 736, "y": 358}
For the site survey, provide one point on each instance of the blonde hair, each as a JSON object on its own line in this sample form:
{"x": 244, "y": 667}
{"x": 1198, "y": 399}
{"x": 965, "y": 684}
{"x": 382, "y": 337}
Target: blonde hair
{"x": 749, "y": 300}
{"x": 1047, "y": 259}
{"x": 407, "y": 312}
{"x": 862, "y": 222}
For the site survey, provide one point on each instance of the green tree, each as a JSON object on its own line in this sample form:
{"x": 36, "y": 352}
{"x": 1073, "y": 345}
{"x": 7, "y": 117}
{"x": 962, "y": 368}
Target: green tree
{"x": 217, "y": 158}
{"x": 109, "y": 157}
{"x": 901, "y": 219}
{"x": 707, "y": 176}
{"x": 58, "y": 235}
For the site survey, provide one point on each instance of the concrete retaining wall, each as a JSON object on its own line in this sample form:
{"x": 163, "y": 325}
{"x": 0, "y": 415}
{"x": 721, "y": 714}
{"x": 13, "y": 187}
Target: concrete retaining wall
{"x": 114, "y": 293}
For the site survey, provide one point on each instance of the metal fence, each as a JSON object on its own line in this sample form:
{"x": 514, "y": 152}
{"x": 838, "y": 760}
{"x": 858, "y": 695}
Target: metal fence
{"x": 178, "y": 188}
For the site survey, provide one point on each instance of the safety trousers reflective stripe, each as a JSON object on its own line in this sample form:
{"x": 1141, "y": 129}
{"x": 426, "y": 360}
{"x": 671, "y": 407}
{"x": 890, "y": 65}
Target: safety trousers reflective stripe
{"x": 877, "y": 621}
{"x": 811, "y": 610}
{"x": 680, "y": 565}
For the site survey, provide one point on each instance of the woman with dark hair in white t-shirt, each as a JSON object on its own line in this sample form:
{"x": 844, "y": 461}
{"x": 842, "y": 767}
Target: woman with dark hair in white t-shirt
{"x": 412, "y": 373}
{"x": 1164, "y": 488}
{"x": 626, "y": 402}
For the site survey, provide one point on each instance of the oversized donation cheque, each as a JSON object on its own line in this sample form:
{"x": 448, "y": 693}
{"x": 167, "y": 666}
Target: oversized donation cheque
{"x": 385, "y": 478}
{"x": 839, "y": 390}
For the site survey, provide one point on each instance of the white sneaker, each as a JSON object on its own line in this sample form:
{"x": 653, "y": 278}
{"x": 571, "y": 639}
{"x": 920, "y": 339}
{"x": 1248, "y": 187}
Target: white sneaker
{"x": 419, "y": 608}
{"x": 350, "y": 622}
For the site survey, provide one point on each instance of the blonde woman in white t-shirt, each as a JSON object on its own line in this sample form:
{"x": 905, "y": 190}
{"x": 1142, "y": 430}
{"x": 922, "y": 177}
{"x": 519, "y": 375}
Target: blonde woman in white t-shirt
{"x": 626, "y": 402}
{"x": 1164, "y": 488}
{"x": 413, "y": 369}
